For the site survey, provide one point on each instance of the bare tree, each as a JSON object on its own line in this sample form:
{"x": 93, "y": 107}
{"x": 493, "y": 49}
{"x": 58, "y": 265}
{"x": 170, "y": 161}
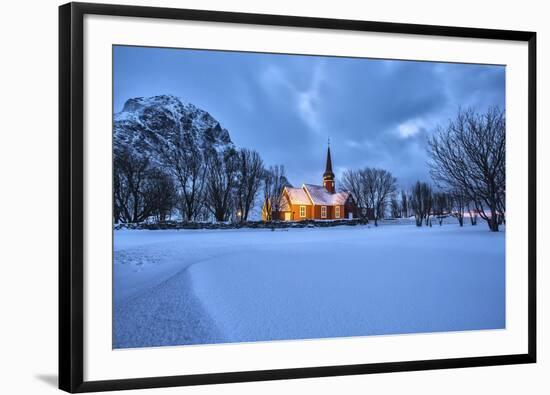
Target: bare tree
{"x": 132, "y": 199}
{"x": 395, "y": 207}
{"x": 442, "y": 205}
{"x": 405, "y": 209}
{"x": 352, "y": 181}
{"x": 188, "y": 165}
{"x": 220, "y": 182}
{"x": 274, "y": 180}
{"x": 379, "y": 185}
{"x": 472, "y": 213}
{"x": 459, "y": 205}
{"x": 371, "y": 189}
{"x": 162, "y": 194}
{"x": 421, "y": 202}
{"x": 250, "y": 170}
{"x": 469, "y": 155}
{"x": 429, "y": 202}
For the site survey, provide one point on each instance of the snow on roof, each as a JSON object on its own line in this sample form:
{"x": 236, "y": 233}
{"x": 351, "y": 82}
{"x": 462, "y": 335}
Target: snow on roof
{"x": 321, "y": 196}
{"x": 297, "y": 196}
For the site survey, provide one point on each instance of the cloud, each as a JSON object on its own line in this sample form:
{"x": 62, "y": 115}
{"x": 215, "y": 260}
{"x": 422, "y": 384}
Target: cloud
{"x": 308, "y": 100}
{"x": 273, "y": 78}
{"x": 411, "y": 127}
{"x": 304, "y": 101}
{"x": 362, "y": 145}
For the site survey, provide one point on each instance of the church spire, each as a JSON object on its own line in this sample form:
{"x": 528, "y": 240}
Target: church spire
{"x": 328, "y": 175}
{"x": 328, "y": 167}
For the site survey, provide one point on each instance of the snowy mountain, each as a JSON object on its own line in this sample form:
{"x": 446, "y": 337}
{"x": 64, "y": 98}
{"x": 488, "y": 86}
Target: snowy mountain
{"x": 145, "y": 124}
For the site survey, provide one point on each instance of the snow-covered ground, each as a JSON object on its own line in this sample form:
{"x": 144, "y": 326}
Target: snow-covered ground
{"x": 213, "y": 286}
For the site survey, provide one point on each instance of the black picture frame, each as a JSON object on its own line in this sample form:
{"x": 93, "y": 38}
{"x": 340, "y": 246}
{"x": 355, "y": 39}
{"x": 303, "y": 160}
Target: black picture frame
{"x": 71, "y": 222}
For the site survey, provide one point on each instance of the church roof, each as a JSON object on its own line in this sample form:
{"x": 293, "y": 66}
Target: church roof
{"x": 320, "y": 196}
{"x": 297, "y": 196}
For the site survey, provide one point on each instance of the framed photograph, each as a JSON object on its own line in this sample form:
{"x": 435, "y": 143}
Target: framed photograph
{"x": 251, "y": 197}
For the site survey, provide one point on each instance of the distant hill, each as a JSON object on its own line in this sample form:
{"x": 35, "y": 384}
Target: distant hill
{"x": 145, "y": 124}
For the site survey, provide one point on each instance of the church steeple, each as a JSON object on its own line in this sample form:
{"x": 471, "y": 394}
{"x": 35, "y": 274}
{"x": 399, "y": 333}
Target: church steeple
{"x": 328, "y": 175}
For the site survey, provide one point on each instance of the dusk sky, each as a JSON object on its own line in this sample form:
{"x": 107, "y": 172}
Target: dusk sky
{"x": 377, "y": 113}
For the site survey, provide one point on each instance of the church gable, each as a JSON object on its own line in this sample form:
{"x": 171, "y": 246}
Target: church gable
{"x": 284, "y": 204}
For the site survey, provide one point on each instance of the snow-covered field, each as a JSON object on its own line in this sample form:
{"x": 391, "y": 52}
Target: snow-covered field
{"x": 214, "y": 286}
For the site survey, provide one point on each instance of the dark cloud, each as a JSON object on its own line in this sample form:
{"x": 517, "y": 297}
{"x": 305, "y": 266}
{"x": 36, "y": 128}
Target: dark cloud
{"x": 376, "y": 112}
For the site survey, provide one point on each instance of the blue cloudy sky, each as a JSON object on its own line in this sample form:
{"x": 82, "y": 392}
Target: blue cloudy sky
{"x": 376, "y": 112}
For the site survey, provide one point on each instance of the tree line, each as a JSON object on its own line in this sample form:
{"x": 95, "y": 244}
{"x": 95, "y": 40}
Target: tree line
{"x": 467, "y": 164}
{"x": 201, "y": 183}
{"x": 467, "y": 161}
{"x": 468, "y": 158}
{"x": 426, "y": 205}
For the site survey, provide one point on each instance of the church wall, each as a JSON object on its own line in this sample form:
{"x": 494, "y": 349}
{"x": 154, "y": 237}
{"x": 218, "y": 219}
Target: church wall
{"x": 350, "y": 209}
{"x": 296, "y": 212}
{"x": 312, "y": 212}
{"x": 331, "y": 212}
{"x": 317, "y": 212}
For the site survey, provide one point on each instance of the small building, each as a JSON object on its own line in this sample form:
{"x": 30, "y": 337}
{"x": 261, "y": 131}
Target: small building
{"x": 320, "y": 202}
